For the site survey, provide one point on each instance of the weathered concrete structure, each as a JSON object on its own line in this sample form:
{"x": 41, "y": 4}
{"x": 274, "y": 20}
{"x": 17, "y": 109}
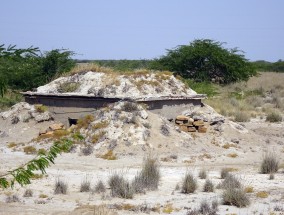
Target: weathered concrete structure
{"x": 68, "y": 106}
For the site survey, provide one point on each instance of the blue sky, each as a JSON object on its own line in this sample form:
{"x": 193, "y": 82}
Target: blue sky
{"x": 132, "y": 29}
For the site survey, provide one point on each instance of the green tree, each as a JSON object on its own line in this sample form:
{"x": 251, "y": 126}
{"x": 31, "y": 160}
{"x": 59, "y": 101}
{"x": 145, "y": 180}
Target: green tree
{"x": 206, "y": 60}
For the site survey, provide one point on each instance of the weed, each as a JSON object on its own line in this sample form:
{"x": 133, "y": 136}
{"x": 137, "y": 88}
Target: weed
{"x": 28, "y": 193}
{"x": 97, "y": 137}
{"x": 232, "y": 155}
{"x": 274, "y": 117}
{"x": 205, "y": 209}
{"x": 271, "y": 176}
{"x": 30, "y": 150}
{"x": 202, "y": 174}
{"x": 208, "y": 186}
{"x": 60, "y": 187}
{"x": 85, "y": 185}
{"x": 100, "y": 125}
{"x": 36, "y": 176}
{"x": 270, "y": 164}
{"x": 120, "y": 187}
{"x": 109, "y": 155}
{"x": 41, "y": 151}
{"x": 100, "y": 187}
{"x": 262, "y": 194}
{"x": 189, "y": 184}
{"x": 57, "y": 134}
{"x": 236, "y": 197}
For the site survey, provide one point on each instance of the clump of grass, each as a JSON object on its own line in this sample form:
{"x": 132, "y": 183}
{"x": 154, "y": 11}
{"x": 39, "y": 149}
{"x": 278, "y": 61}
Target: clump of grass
{"x": 202, "y": 174}
{"x": 13, "y": 198}
{"x": 68, "y": 87}
{"x": 98, "y": 136}
{"x": 129, "y": 107}
{"x": 232, "y": 155}
{"x": 271, "y": 176}
{"x": 12, "y": 145}
{"x": 85, "y": 185}
{"x": 43, "y": 196}
{"x": 85, "y": 121}
{"x": 241, "y": 116}
{"x": 236, "y": 197}
{"x": 87, "y": 150}
{"x": 60, "y": 187}
{"x": 149, "y": 176}
{"x": 262, "y": 194}
{"x": 30, "y": 150}
{"x": 230, "y": 182}
{"x": 205, "y": 209}
{"x": 165, "y": 130}
{"x": 274, "y": 117}
{"x": 28, "y": 193}
{"x": 120, "y": 187}
{"x": 100, "y": 187}
{"x": 168, "y": 208}
{"x": 270, "y": 164}
{"x": 100, "y": 125}
{"x": 57, "y": 134}
{"x": 189, "y": 184}
{"x": 208, "y": 186}
{"x": 226, "y": 171}
{"x": 109, "y": 155}
{"x": 248, "y": 189}
{"x": 40, "y": 108}
{"x": 37, "y": 176}
{"x": 41, "y": 151}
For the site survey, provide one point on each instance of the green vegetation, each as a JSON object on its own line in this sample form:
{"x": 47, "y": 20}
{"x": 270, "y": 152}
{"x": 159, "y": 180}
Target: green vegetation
{"x": 265, "y": 66}
{"x": 206, "y": 60}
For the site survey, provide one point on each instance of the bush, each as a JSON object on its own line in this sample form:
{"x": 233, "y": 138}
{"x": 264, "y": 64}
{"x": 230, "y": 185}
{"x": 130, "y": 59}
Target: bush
{"x": 270, "y": 164}
{"x": 28, "y": 193}
{"x": 85, "y": 185}
{"x": 120, "y": 187}
{"x": 208, "y": 186}
{"x": 189, "y": 184}
{"x": 100, "y": 187}
{"x": 236, "y": 197}
{"x": 202, "y": 174}
{"x": 274, "y": 117}
{"x": 241, "y": 116}
{"x": 149, "y": 176}
{"x": 230, "y": 182}
{"x": 60, "y": 187}
{"x": 208, "y": 61}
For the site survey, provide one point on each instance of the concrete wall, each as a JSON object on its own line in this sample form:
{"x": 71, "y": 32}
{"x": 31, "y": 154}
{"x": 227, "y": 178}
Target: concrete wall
{"x": 76, "y": 107}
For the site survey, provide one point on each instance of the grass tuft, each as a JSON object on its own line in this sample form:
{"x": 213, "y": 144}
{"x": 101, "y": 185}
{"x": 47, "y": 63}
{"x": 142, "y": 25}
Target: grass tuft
{"x": 189, "y": 184}
{"x": 208, "y": 186}
{"x": 60, "y": 187}
{"x": 120, "y": 187}
{"x": 270, "y": 164}
{"x": 236, "y": 197}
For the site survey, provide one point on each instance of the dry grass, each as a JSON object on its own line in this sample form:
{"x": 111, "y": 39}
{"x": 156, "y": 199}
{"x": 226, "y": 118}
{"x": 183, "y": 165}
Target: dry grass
{"x": 30, "y": 150}
{"x": 85, "y": 121}
{"x": 232, "y": 155}
{"x": 274, "y": 117}
{"x": 208, "y": 186}
{"x": 168, "y": 208}
{"x": 248, "y": 189}
{"x": 225, "y": 171}
{"x": 100, "y": 187}
{"x": 57, "y": 134}
{"x": 270, "y": 164}
{"x": 60, "y": 187}
{"x": 28, "y": 193}
{"x": 120, "y": 187}
{"x": 230, "y": 182}
{"x": 97, "y": 137}
{"x": 236, "y": 197}
{"x": 12, "y": 145}
{"x": 202, "y": 174}
{"x": 189, "y": 184}
{"x": 85, "y": 185}
{"x": 262, "y": 194}
{"x": 101, "y": 125}
{"x": 229, "y": 145}
{"x": 40, "y": 108}
{"x": 43, "y": 196}
{"x": 109, "y": 155}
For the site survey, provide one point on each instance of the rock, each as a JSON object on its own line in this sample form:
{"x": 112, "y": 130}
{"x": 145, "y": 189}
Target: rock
{"x": 235, "y": 140}
{"x": 179, "y": 122}
{"x": 143, "y": 114}
{"x": 3, "y": 134}
{"x": 15, "y": 120}
{"x": 15, "y": 109}
{"x": 191, "y": 129}
{"x": 202, "y": 129}
{"x": 217, "y": 120}
{"x": 45, "y": 116}
{"x": 182, "y": 118}
{"x": 56, "y": 126}
{"x": 183, "y": 128}
{"x": 198, "y": 123}
{"x": 218, "y": 127}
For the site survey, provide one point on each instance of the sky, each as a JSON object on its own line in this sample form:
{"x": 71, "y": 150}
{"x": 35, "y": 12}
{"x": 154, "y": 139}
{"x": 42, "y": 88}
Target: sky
{"x": 133, "y": 29}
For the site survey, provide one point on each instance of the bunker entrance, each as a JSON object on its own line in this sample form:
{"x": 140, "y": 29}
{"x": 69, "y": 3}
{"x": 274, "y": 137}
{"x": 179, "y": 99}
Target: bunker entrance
{"x": 72, "y": 121}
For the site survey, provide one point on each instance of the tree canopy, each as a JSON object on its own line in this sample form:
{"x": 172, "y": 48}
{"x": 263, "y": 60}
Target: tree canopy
{"x": 206, "y": 60}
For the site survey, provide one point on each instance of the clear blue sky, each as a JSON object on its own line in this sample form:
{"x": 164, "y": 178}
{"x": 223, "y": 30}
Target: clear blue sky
{"x": 132, "y": 29}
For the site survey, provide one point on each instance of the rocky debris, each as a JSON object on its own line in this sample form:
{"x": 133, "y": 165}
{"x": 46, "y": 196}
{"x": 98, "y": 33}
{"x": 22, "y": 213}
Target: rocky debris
{"x": 217, "y": 120}
{"x": 16, "y": 109}
{"x": 45, "y": 116}
{"x": 56, "y": 126}
{"x": 188, "y": 124}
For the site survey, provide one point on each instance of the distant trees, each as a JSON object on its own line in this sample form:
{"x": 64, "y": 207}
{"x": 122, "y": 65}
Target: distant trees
{"x": 266, "y": 66}
{"x": 24, "y": 69}
{"x": 206, "y": 60}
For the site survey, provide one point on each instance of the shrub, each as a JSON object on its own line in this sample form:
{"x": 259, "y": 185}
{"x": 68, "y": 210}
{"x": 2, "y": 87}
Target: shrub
{"x": 189, "y": 184}
{"x": 88, "y": 150}
{"x": 149, "y": 176}
{"x": 226, "y": 171}
{"x": 274, "y": 117}
{"x": 68, "y": 87}
{"x": 11, "y": 199}
{"x": 241, "y": 116}
{"x": 236, "y": 197}
{"x": 165, "y": 130}
{"x": 60, "y": 187}
{"x": 208, "y": 186}
{"x": 100, "y": 187}
{"x": 60, "y": 133}
{"x": 28, "y": 193}
{"x": 85, "y": 121}
{"x": 85, "y": 185}
{"x": 120, "y": 187}
{"x": 270, "y": 164}
{"x": 202, "y": 174}
{"x": 30, "y": 150}
{"x": 230, "y": 182}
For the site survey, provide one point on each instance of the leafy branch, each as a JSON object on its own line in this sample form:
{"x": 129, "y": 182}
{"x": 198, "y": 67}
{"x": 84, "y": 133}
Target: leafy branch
{"x": 24, "y": 173}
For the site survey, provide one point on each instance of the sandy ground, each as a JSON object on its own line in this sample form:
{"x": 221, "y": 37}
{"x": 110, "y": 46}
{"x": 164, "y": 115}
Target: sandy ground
{"x": 257, "y": 138}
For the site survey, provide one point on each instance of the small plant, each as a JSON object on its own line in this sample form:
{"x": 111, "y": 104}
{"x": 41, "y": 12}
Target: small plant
{"x": 168, "y": 208}
{"x": 57, "y": 134}
{"x": 60, "y": 187}
{"x": 100, "y": 125}
{"x": 11, "y": 199}
{"x": 97, "y": 137}
{"x": 109, "y": 155}
{"x": 271, "y": 176}
{"x": 100, "y": 187}
{"x": 189, "y": 184}
{"x": 28, "y": 193}
{"x": 274, "y": 117}
{"x": 205, "y": 209}
{"x": 68, "y": 87}
{"x": 226, "y": 171}
{"x": 40, "y": 108}
{"x": 249, "y": 189}
{"x": 202, "y": 174}
{"x": 30, "y": 150}
{"x": 41, "y": 151}
{"x": 236, "y": 197}
{"x": 85, "y": 185}
{"x": 262, "y": 194}
{"x": 85, "y": 121}
{"x": 12, "y": 145}
{"x": 36, "y": 176}
{"x": 208, "y": 186}
{"x": 43, "y": 196}
{"x": 120, "y": 187}
{"x": 230, "y": 182}
{"x": 165, "y": 130}
{"x": 88, "y": 150}
{"x": 270, "y": 164}
{"x": 129, "y": 107}
{"x": 232, "y": 155}
{"x": 241, "y": 117}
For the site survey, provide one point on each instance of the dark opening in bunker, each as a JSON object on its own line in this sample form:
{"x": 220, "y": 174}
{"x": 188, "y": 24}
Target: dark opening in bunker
{"x": 72, "y": 121}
